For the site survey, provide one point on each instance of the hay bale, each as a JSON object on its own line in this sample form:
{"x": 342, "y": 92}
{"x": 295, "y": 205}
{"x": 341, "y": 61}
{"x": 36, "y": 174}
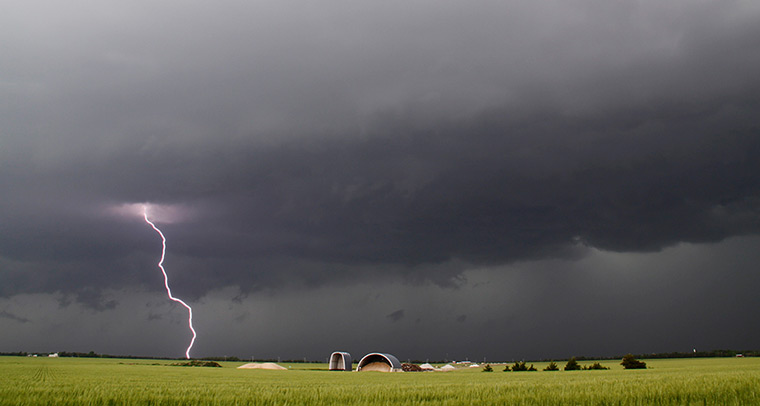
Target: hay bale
{"x": 377, "y": 366}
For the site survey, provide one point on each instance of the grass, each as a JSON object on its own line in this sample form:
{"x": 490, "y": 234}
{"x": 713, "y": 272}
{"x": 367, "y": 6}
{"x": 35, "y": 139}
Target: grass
{"x": 80, "y": 381}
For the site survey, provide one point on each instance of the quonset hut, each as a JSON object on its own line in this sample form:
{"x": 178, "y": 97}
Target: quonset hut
{"x": 340, "y": 361}
{"x": 377, "y": 361}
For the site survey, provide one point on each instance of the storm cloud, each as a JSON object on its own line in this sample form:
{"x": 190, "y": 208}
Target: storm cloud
{"x": 337, "y": 145}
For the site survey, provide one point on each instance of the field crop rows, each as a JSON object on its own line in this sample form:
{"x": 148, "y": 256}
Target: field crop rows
{"x": 79, "y": 381}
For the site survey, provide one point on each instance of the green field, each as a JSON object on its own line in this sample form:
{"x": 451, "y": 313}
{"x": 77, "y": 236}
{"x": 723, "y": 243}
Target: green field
{"x": 95, "y": 381}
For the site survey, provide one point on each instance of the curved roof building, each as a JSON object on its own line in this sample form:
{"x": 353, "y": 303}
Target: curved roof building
{"x": 340, "y": 361}
{"x": 377, "y": 361}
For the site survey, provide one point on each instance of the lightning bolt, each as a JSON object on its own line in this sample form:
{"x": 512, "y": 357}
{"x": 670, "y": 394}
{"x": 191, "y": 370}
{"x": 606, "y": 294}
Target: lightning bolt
{"x": 166, "y": 281}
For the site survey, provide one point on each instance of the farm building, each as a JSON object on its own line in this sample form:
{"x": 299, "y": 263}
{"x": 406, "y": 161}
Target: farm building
{"x": 340, "y": 361}
{"x": 376, "y": 361}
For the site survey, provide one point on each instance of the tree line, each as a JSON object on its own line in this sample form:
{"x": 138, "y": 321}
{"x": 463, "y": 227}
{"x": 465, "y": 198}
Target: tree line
{"x": 628, "y": 362}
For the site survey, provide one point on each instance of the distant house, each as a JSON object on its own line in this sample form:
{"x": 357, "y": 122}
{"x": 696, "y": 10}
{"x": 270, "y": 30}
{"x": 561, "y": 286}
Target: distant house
{"x": 377, "y": 361}
{"x": 340, "y": 361}
{"x": 53, "y": 355}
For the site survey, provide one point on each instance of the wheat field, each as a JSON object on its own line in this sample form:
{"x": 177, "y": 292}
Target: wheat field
{"x": 95, "y": 381}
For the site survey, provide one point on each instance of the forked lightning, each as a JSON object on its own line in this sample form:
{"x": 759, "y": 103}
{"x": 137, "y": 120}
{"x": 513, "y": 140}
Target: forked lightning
{"x": 166, "y": 281}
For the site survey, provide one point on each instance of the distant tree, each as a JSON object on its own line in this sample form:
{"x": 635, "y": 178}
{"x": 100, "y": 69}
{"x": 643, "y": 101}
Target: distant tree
{"x": 15, "y": 354}
{"x": 552, "y": 367}
{"x": 507, "y": 368}
{"x": 226, "y": 358}
{"x": 629, "y": 362}
{"x": 519, "y": 366}
{"x": 572, "y": 365}
{"x": 532, "y": 368}
{"x": 487, "y": 368}
{"x": 595, "y": 365}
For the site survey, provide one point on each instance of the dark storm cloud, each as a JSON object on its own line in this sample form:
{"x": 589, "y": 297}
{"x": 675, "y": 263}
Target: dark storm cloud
{"x": 11, "y": 316}
{"x": 317, "y": 143}
{"x": 90, "y": 298}
{"x": 396, "y": 316}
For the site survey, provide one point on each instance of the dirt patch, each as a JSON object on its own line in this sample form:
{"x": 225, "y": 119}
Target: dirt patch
{"x": 264, "y": 365}
{"x": 197, "y": 363}
{"x": 410, "y": 367}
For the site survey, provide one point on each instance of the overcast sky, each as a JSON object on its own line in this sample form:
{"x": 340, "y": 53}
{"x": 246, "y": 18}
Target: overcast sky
{"x": 434, "y": 179}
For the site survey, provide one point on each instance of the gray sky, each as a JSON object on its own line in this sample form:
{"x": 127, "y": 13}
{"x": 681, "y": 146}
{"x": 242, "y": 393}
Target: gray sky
{"x": 434, "y": 179}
